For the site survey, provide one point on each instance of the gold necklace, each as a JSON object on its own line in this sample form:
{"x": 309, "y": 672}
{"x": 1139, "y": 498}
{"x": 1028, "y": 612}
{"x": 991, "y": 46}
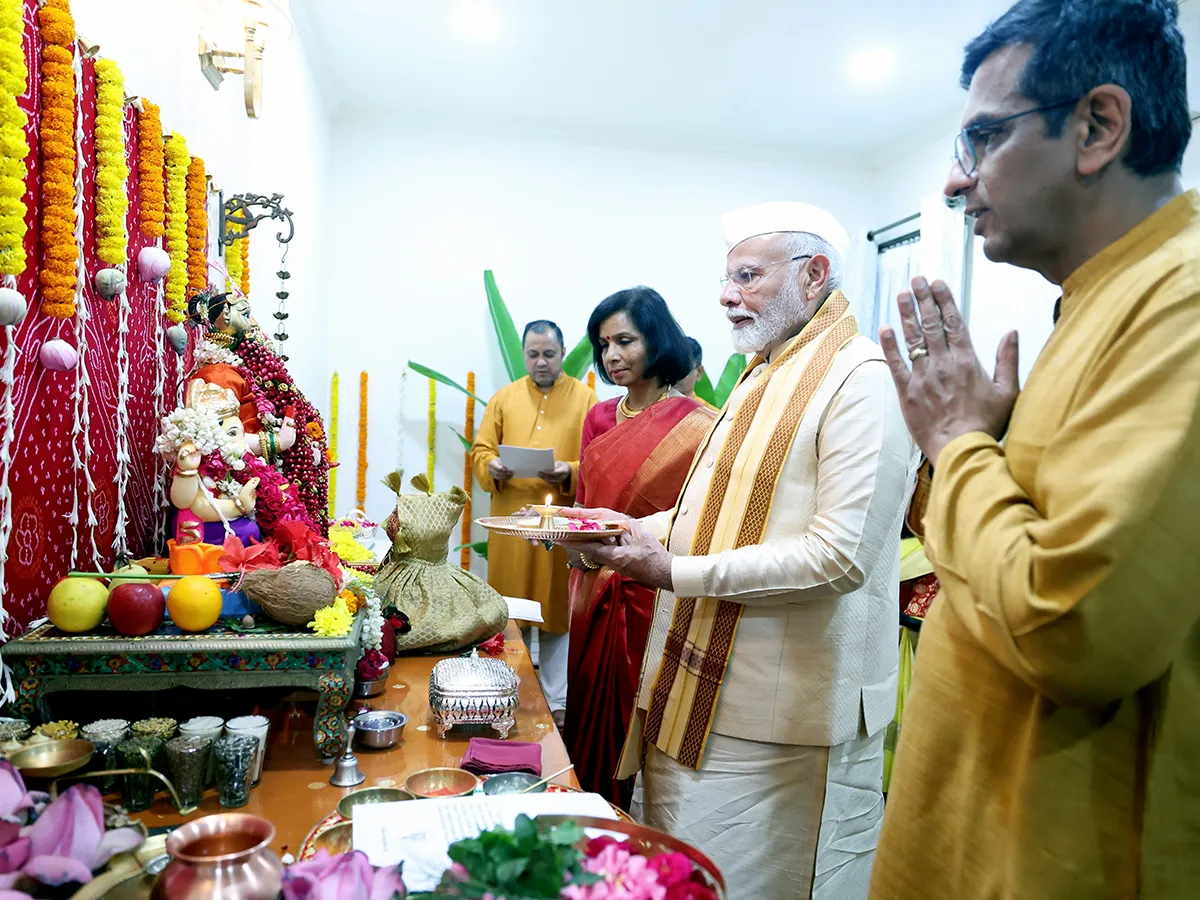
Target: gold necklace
{"x": 629, "y": 412}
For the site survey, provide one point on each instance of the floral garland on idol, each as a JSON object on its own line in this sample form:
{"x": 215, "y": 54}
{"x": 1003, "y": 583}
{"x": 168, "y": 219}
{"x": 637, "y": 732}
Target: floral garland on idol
{"x": 58, "y": 272}
{"x": 178, "y": 161}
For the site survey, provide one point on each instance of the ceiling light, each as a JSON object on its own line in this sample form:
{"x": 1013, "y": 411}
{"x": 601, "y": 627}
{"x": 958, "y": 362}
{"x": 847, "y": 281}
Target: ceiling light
{"x": 477, "y": 21}
{"x": 871, "y": 66}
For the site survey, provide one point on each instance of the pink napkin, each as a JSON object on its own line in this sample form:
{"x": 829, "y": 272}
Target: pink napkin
{"x": 485, "y": 756}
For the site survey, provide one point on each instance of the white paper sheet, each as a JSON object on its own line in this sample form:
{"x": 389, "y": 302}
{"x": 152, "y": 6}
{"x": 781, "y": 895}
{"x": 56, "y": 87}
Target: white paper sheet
{"x": 525, "y": 610}
{"x": 419, "y": 832}
{"x": 526, "y": 462}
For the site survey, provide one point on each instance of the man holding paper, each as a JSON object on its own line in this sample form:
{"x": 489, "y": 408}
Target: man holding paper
{"x": 543, "y": 411}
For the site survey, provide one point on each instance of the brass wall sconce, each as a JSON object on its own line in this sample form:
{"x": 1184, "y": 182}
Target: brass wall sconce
{"x": 261, "y": 20}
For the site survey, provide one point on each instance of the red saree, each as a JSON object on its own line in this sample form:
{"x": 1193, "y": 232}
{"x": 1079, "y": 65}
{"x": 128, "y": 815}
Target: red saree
{"x": 637, "y": 468}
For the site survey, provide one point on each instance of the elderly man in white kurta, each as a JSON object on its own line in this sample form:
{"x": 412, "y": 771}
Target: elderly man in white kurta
{"x": 770, "y": 675}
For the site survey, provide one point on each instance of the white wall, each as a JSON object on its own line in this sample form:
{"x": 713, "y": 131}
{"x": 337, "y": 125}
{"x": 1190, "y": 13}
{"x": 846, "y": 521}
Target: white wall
{"x": 561, "y": 224}
{"x": 285, "y": 151}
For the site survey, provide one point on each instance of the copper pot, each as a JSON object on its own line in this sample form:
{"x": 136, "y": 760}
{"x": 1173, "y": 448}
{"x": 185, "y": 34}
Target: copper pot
{"x": 226, "y": 855}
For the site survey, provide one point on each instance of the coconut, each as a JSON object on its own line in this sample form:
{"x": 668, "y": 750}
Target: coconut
{"x": 293, "y": 594}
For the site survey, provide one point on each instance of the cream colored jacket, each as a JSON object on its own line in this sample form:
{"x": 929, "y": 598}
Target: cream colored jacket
{"x": 815, "y": 659}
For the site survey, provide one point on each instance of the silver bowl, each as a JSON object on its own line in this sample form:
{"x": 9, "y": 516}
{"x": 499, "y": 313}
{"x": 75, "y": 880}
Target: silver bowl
{"x": 379, "y": 729}
{"x": 372, "y": 688}
{"x": 512, "y": 783}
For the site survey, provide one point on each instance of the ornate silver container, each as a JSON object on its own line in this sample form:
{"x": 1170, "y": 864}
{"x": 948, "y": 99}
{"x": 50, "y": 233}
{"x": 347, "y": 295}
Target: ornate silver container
{"x": 473, "y": 690}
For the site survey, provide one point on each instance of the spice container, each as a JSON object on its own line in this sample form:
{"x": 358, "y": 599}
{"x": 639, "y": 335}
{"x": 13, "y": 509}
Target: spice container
{"x": 105, "y": 735}
{"x": 255, "y": 727}
{"x": 62, "y": 730}
{"x": 235, "y": 764}
{"x": 188, "y": 757}
{"x": 139, "y": 790}
{"x": 473, "y": 690}
{"x": 162, "y": 728}
{"x": 211, "y": 728}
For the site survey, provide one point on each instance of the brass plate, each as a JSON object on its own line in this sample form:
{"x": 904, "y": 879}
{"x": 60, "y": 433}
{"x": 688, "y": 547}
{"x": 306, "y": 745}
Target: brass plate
{"x": 52, "y": 759}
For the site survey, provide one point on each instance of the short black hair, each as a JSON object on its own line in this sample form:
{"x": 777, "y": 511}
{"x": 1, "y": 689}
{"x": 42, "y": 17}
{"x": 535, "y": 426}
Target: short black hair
{"x": 1079, "y": 45}
{"x": 543, "y": 326}
{"x": 697, "y": 352}
{"x": 668, "y": 357}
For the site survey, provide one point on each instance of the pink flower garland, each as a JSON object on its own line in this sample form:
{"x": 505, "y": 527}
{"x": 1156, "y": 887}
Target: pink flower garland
{"x": 276, "y": 499}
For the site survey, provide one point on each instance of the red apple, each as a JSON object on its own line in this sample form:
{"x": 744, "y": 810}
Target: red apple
{"x": 136, "y": 608}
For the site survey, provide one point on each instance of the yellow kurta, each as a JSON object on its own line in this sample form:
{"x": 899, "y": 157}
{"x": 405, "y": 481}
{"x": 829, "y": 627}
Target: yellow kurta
{"x": 1051, "y": 742}
{"x": 521, "y": 415}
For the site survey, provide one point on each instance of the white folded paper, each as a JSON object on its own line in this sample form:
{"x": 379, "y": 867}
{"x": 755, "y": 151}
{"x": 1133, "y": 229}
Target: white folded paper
{"x": 526, "y": 462}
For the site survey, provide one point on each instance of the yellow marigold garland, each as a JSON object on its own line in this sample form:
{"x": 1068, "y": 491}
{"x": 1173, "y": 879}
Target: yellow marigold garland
{"x": 469, "y": 433}
{"x": 244, "y": 241}
{"x": 431, "y": 439}
{"x": 333, "y": 444}
{"x": 177, "y": 220}
{"x": 152, "y": 194}
{"x": 233, "y": 262}
{"x": 360, "y": 493}
{"x": 57, "y": 135}
{"x": 112, "y": 171}
{"x": 197, "y": 226}
{"x": 14, "y": 149}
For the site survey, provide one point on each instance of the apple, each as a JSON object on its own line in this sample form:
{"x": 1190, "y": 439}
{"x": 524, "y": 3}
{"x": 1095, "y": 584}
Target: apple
{"x": 136, "y": 608}
{"x": 76, "y": 605}
{"x": 132, "y": 569}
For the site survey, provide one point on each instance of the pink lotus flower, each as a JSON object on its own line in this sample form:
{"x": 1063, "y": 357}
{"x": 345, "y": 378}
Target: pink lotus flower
{"x": 14, "y": 799}
{"x": 349, "y": 876}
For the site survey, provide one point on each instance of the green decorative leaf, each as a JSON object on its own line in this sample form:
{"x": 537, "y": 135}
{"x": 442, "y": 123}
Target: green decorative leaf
{"x": 734, "y": 367}
{"x": 462, "y": 437}
{"x": 506, "y": 332}
{"x": 704, "y": 390}
{"x": 479, "y": 548}
{"x": 579, "y": 360}
{"x": 438, "y": 376}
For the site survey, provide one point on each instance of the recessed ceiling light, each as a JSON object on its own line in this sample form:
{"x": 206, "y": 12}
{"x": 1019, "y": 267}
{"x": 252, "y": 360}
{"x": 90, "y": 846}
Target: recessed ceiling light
{"x": 477, "y": 21}
{"x": 871, "y": 66}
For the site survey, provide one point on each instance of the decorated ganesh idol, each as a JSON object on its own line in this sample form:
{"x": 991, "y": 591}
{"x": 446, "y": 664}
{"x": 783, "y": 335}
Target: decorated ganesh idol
{"x": 281, "y": 427}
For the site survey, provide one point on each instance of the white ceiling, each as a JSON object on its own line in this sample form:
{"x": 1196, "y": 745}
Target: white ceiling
{"x": 716, "y": 73}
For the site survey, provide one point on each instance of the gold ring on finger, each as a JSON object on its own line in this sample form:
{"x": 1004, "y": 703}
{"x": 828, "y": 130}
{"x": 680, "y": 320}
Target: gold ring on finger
{"x": 918, "y": 353}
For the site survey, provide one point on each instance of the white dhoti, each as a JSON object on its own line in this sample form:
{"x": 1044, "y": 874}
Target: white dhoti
{"x": 780, "y": 821}
{"x": 552, "y": 652}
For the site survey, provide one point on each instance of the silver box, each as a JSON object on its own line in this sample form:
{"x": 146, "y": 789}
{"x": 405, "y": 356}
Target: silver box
{"x": 473, "y": 690}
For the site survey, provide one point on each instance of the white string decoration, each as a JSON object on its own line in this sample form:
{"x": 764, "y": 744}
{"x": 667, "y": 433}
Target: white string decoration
{"x": 159, "y": 395}
{"x": 7, "y": 378}
{"x": 120, "y": 539}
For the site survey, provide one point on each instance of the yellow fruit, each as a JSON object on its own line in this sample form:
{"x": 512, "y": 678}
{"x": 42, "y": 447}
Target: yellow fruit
{"x": 77, "y": 605}
{"x": 129, "y": 570}
{"x": 194, "y": 603}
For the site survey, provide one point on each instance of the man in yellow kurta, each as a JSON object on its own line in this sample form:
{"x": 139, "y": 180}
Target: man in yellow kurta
{"x": 1051, "y": 741}
{"x": 543, "y": 410}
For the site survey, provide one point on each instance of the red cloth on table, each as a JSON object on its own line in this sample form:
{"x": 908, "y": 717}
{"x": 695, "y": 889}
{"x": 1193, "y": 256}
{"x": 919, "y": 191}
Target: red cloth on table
{"x": 486, "y": 756}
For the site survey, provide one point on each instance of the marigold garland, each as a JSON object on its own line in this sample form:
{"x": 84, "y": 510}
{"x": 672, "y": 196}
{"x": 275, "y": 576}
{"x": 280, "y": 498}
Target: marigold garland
{"x": 244, "y": 242}
{"x": 112, "y": 171}
{"x": 431, "y": 439}
{"x": 333, "y": 444}
{"x": 197, "y": 226}
{"x": 233, "y": 262}
{"x": 360, "y": 493}
{"x": 469, "y": 433}
{"x": 176, "y": 230}
{"x": 152, "y": 191}
{"x": 57, "y": 137}
{"x": 14, "y": 149}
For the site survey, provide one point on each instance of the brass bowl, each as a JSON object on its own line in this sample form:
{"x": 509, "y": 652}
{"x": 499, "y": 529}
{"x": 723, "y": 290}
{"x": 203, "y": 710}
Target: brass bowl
{"x": 439, "y": 783}
{"x": 52, "y": 759}
{"x": 336, "y": 840}
{"x": 367, "y": 796}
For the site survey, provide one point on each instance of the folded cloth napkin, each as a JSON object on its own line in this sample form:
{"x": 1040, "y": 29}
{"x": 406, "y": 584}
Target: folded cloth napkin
{"x": 485, "y": 756}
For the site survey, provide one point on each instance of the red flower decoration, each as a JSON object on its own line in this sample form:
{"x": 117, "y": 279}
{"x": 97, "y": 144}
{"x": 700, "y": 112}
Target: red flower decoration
{"x": 399, "y": 622}
{"x": 672, "y": 868}
{"x": 597, "y": 844}
{"x": 240, "y": 558}
{"x": 493, "y": 646}
{"x": 690, "y": 890}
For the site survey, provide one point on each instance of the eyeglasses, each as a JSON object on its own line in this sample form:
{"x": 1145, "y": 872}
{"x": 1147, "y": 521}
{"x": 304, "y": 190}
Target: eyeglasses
{"x": 748, "y": 279}
{"x": 966, "y": 152}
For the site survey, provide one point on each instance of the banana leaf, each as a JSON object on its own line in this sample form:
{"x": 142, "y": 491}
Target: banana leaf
{"x": 734, "y": 367}
{"x": 438, "y": 376}
{"x": 479, "y": 548}
{"x": 704, "y": 390}
{"x": 462, "y": 437}
{"x": 506, "y": 332}
{"x": 577, "y": 362}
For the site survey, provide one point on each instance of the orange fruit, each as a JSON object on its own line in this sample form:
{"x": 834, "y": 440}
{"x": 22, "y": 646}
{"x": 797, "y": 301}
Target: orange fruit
{"x": 194, "y": 603}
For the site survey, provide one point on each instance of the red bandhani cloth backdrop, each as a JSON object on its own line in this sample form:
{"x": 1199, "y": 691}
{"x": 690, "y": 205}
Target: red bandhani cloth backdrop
{"x": 42, "y": 477}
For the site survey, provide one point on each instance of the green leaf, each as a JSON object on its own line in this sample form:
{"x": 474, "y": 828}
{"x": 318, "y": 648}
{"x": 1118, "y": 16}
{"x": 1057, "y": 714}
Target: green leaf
{"x": 506, "y": 332}
{"x": 579, "y": 360}
{"x": 734, "y": 367}
{"x": 511, "y": 870}
{"x": 438, "y": 376}
{"x": 704, "y": 390}
{"x": 462, "y": 437}
{"x": 479, "y": 548}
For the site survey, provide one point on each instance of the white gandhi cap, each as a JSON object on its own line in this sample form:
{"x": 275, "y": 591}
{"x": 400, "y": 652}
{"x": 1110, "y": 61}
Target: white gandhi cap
{"x": 780, "y": 216}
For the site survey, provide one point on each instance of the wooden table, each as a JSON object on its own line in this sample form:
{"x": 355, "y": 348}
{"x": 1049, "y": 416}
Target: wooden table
{"x": 295, "y": 792}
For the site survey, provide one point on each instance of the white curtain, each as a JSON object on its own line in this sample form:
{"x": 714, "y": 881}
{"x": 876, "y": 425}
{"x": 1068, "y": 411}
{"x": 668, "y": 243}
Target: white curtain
{"x": 943, "y": 242}
{"x": 895, "y": 269}
{"x": 858, "y": 283}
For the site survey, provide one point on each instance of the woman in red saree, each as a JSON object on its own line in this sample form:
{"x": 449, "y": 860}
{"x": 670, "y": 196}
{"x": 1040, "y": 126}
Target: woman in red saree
{"x": 636, "y": 455}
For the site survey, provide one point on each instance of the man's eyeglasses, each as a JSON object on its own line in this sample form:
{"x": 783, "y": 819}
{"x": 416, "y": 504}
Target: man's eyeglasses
{"x": 748, "y": 279}
{"x": 967, "y": 149}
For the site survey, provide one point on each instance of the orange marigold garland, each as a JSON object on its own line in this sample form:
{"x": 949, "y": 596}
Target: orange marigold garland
{"x": 360, "y": 494}
{"x": 197, "y": 226}
{"x": 152, "y": 190}
{"x": 58, "y": 273}
{"x": 468, "y": 481}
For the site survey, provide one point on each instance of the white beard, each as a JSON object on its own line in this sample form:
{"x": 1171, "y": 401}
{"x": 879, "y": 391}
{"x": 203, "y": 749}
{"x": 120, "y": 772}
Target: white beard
{"x": 773, "y": 323}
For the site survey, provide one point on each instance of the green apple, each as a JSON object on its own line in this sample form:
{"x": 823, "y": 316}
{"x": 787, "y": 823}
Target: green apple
{"x": 77, "y": 605}
{"x": 131, "y": 569}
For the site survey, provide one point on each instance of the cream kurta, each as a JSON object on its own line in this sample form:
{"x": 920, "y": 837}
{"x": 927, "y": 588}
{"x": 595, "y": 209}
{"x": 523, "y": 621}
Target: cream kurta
{"x": 1051, "y": 742}
{"x": 522, "y": 415}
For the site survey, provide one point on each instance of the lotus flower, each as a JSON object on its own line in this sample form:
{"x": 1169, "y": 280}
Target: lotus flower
{"x": 66, "y": 843}
{"x": 14, "y": 799}
{"x": 493, "y": 646}
{"x": 346, "y": 877}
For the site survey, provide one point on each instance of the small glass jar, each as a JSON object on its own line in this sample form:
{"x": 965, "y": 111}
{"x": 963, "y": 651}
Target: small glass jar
{"x": 139, "y": 790}
{"x": 255, "y": 727}
{"x": 235, "y": 766}
{"x": 211, "y": 728}
{"x": 188, "y": 757}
